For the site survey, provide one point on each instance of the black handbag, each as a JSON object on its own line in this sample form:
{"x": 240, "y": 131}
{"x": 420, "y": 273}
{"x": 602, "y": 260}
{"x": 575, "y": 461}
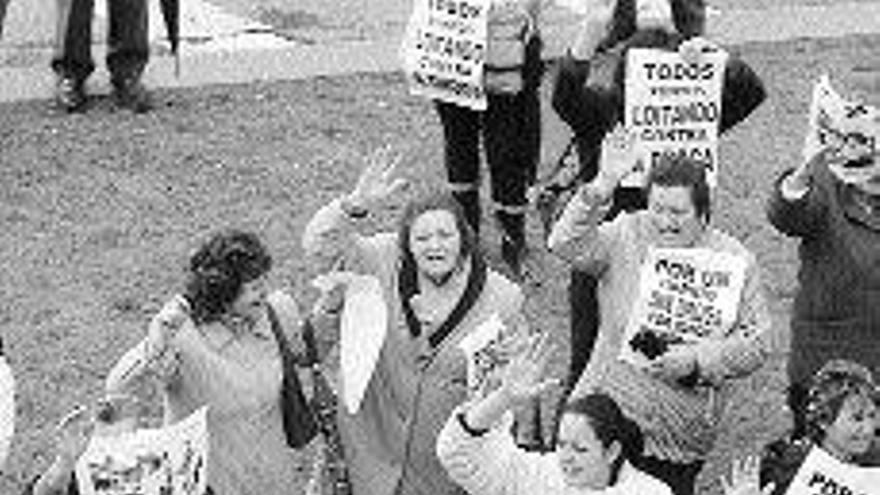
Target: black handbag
{"x": 300, "y": 426}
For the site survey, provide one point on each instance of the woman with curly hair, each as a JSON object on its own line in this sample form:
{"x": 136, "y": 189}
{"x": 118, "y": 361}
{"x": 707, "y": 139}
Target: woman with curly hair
{"x": 840, "y": 417}
{"x": 216, "y": 345}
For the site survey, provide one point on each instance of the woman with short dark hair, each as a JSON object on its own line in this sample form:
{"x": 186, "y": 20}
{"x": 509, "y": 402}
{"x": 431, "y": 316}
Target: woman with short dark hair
{"x": 215, "y": 345}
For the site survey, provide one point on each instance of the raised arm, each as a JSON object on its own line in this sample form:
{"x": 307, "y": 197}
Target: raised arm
{"x": 577, "y": 236}
{"x": 797, "y": 205}
{"x": 330, "y": 234}
{"x": 475, "y": 448}
{"x": 154, "y": 356}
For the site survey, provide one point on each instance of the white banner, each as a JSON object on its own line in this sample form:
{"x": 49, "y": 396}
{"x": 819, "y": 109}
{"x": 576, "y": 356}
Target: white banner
{"x": 685, "y": 295}
{"x": 674, "y": 107}
{"x": 444, "y": 50}
{"x": 362, "y": 332}
{"x": 162, "y": 461}
{"x": 822, "y": 474}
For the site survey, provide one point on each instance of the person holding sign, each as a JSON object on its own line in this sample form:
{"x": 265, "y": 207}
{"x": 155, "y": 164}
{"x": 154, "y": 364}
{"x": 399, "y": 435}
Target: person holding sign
{"x": 509, "y": 125}
{"x": 431, "y": 289}
{"x": 673, "y": 391}
{"x": 113, "y": 415}
{"x": 217, "y": 345}
{"x": 595, "y": 452}
{"x": 831, "y": 203}
{"x": 840, "y": 419}
{"x": 588, "y": 95}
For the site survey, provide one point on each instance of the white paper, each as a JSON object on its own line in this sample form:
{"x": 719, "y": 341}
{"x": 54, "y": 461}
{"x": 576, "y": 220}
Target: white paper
{"x": 163, "y": 461}
{"x": 831, "y": 119}
{"x": 674, "y": 107}
{"x": 480, "y": 349}
{"x": 444, "y": 51}
{"x": 685, "y": 296}
{"x": 363, "y": 327}
{"x": 822, "y": 474}
{"x": 7, "y": 409}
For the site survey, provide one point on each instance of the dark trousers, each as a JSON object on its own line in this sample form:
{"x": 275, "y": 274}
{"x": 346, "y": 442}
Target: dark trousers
{"x": 680, "y": 477}
{"x": 127, "y": 39}
{"x": 510, "y": 129}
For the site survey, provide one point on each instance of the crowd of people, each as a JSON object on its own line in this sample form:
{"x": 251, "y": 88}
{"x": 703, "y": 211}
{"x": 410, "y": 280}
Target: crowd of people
{"x": 420, "y": 425}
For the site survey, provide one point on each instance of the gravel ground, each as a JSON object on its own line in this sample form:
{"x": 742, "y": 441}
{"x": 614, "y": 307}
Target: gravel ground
{"x": 99, "y": 211}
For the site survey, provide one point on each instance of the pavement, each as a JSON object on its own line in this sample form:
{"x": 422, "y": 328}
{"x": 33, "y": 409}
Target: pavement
{"x": 227, "y": 41}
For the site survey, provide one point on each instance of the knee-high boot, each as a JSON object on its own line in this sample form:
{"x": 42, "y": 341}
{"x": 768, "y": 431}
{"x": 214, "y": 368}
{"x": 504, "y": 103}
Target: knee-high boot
{"x": 470, "y": 202}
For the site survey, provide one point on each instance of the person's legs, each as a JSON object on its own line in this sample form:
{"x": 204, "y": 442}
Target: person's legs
{"x": 509, "y": 156}
{"x": 128, "y": 50}
{"x": 461, "y": 151}
{"x": 72, "y": 54}
{"x": 681, "y": 478}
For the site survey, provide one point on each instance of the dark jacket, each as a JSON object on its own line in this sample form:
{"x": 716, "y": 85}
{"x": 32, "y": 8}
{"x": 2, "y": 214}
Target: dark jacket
{"x": 837, "y": 306}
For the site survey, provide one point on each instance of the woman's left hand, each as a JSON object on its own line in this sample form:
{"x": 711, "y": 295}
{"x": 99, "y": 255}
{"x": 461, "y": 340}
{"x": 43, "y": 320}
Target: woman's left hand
{"x": 745, "y": 479}
{"x": 523, "y": 377}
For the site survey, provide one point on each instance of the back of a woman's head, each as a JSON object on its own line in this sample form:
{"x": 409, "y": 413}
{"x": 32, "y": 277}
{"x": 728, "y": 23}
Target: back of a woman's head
{"x": 829, "y": 389}
{"x": 219, "y": 268}
{"x": 608, "y": 423}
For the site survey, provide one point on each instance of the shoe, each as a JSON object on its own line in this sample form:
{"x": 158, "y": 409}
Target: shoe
{"x": 132, "y": 95}
{"x": 70, "y": 94}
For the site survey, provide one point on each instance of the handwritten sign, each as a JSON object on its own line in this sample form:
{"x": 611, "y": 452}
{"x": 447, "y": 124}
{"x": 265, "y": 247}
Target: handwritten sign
{"x": 822, "y": 474}
{"x": 674, "y": 107}
{"x": 444, "y": 51}
{"x": 481, "y": 349}
{"x": 685, "y": 296}
{"x": 849, "y": 129}
{"x": 162, "y": 461}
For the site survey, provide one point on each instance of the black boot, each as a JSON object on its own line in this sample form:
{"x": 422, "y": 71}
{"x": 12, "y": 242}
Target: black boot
{"x": 513, "y": 239}
{"x": 470, "y": 202}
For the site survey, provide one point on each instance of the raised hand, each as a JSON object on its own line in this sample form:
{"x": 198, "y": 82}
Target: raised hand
{"x": 375, "y": 182}
{"x": 744, "y": 479}
{"x": 618, "y": 157}
{"x": 523, "y": 377}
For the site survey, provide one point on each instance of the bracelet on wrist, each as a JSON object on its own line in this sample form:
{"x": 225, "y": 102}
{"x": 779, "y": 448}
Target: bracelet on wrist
{"x": 470, "y": 430}
{"x": 354, "y": 211}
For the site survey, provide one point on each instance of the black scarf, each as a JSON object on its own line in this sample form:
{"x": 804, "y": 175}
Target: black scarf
{"x": 408, "y": 286}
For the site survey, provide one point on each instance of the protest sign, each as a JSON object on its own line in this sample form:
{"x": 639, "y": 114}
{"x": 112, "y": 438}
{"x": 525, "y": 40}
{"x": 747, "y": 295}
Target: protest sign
{"x": 481, "y": 349}
{"x": 849, "y": 129}
{"x": 674, "y": 107}
{"x": 163, "y": 461}
{"x": 444, "y": 51}
{"x": 822, "y": 474}
{"x": 685, "y": 296}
